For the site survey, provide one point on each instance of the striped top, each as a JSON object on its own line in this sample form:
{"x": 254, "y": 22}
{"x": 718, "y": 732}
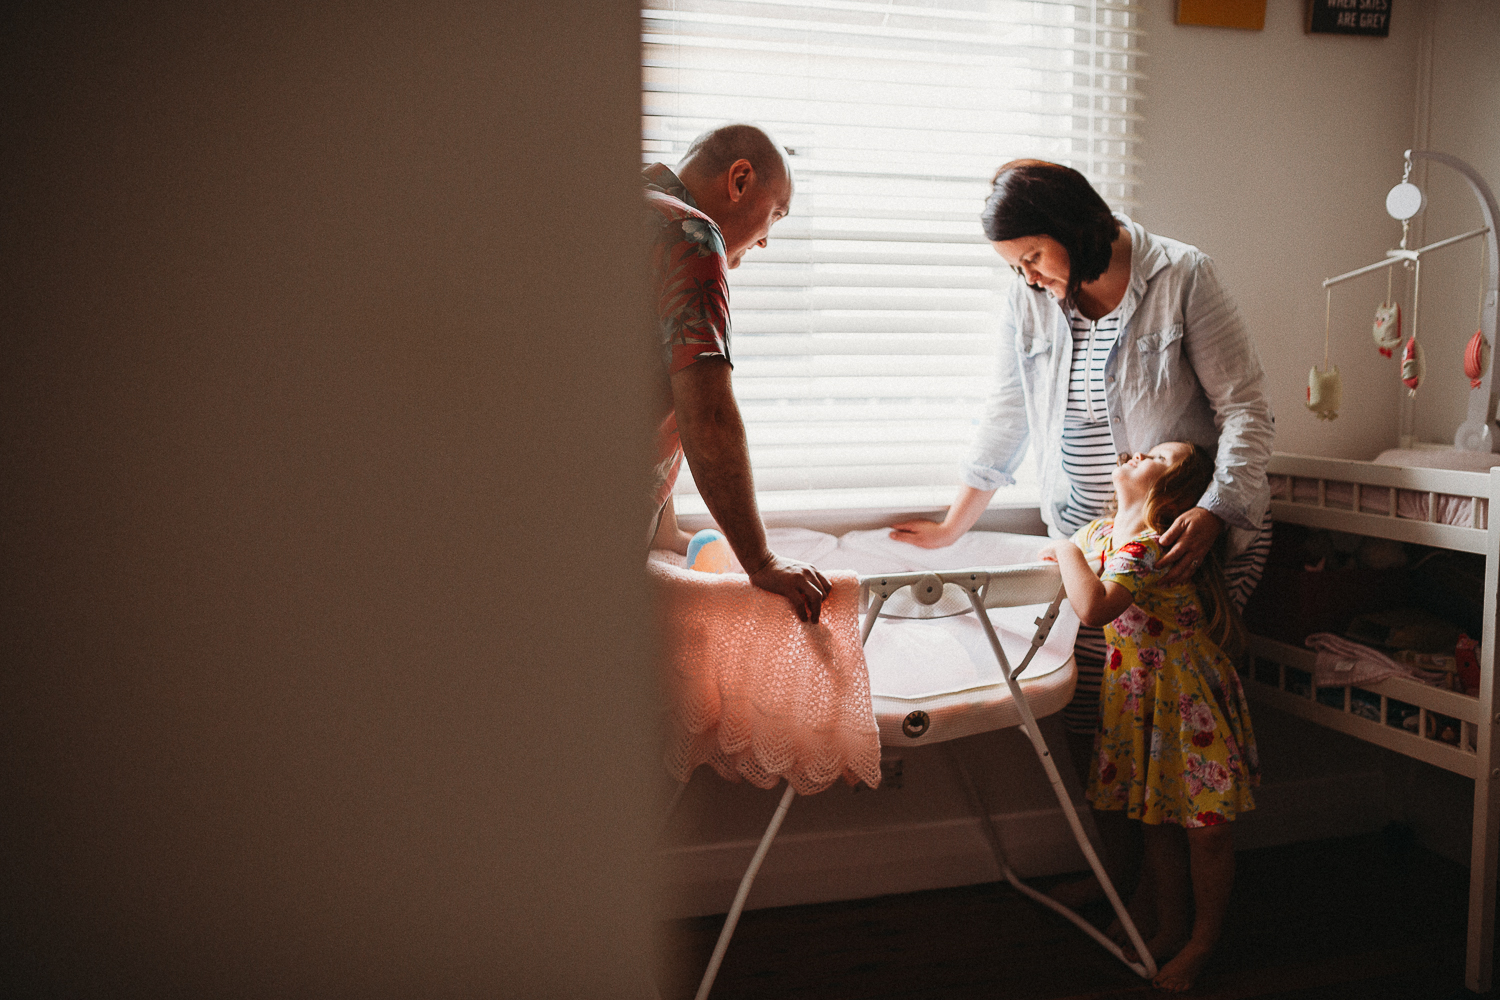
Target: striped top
{"x": 1088, "y": 448}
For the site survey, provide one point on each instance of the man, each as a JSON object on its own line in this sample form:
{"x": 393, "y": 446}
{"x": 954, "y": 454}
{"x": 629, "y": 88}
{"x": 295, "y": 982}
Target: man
{"x": 728, "y": 190}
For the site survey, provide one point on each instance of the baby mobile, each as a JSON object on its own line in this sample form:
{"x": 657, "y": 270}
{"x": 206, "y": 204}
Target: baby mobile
{"x": 1324, "y": 384}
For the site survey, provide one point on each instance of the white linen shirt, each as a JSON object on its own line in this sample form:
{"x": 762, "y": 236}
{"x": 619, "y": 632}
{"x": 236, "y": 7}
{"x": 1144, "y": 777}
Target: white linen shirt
{"x": 1181, "y": 369}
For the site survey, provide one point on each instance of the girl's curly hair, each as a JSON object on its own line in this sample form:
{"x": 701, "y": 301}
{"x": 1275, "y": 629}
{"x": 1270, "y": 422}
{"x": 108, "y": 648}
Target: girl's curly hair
{"x": 1176, "y": 492}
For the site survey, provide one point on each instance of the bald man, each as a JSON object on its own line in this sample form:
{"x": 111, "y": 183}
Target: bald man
{"x": 730, "y": 187}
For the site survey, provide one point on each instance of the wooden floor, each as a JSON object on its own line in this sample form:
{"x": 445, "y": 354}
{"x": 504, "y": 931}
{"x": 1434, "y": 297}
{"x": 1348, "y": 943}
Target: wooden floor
{"x": 1368, "y": 917}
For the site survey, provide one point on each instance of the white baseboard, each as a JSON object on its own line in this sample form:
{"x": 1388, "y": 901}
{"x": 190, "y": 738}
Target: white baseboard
{"x": 827, "y": 865}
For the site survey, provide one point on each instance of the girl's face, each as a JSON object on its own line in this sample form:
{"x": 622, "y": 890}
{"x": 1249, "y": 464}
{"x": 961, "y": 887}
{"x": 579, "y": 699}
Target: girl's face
{"x": 1136, "y": 474}
{"x": 1041, "y": 261}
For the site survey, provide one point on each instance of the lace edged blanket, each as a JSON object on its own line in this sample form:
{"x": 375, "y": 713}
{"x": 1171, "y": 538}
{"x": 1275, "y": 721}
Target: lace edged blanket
{"x": 755, "y": 693}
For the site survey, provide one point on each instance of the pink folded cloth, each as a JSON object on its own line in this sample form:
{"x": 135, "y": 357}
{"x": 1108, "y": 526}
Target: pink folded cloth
{"x": 1341, "y": 662}
{"x": 755, "y": 693}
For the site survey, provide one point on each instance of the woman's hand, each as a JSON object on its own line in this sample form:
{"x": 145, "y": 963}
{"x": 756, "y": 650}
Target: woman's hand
{"x": 967, "y": 507}
{"x": 1048, "y": 552}
{"x": 924, "y": 534}
{"x": 1187, "y": 542}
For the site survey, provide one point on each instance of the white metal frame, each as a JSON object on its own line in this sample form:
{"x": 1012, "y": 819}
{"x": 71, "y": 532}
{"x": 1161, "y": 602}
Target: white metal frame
{"x": 927, "y": 588}
{"x": 1277, "y": 670}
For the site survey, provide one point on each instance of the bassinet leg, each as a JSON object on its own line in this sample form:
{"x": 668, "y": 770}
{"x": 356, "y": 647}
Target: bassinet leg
{"x": 733, "y": 917}
{"x": 1146, "y": 967}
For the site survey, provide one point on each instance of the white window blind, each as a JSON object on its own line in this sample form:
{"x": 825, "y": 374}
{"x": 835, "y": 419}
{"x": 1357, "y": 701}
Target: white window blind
{"x": 863, "y": 334}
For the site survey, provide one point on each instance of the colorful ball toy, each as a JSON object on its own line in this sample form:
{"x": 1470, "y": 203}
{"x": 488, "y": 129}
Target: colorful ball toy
{"x": 708, "y": 552}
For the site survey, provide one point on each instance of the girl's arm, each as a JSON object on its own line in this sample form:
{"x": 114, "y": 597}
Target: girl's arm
{"x": 1095, "y": 602}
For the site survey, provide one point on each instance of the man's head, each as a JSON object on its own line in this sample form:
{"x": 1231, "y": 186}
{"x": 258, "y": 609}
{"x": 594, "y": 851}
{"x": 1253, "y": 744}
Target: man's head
{"x": 741, "y": 180}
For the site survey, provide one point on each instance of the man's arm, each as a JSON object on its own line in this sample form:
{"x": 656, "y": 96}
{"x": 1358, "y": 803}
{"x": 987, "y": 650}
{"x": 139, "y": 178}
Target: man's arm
{"x": 713, "y": 441}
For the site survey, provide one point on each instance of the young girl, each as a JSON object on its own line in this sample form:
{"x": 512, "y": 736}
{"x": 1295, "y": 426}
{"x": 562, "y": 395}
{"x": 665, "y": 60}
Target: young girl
{"x": 1174, "y": 747}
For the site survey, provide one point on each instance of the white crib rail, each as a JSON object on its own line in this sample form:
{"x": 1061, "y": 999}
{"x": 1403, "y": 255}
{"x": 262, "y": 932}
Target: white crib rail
{"x": 1387, "y": 481}
{"x": 1478, "y": 752}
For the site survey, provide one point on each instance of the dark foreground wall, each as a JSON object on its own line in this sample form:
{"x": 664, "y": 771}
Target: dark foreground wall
{"x": 319, "y": 340}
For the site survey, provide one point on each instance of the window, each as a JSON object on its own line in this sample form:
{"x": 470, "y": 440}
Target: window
{"x": 863, "y": 334}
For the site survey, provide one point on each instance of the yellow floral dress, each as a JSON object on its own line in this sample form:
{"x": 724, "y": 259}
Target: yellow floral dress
{"x": 1174, "y": 743}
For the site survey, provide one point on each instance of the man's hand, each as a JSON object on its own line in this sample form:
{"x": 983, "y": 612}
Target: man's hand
{"x": 1187, "y": 542}
{"x": 799, "y": 582}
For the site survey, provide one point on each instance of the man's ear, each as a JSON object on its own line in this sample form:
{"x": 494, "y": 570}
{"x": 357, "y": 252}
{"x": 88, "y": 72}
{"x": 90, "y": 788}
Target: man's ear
{"x": 738, "y": 179}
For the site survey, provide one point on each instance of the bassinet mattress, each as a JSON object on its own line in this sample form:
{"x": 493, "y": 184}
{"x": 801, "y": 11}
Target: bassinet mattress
{"x": 944, "y": 667}
{"x": 1411, "y": 504}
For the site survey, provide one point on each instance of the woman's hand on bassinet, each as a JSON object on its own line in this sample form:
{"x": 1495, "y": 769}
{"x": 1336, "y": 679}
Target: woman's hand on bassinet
{"x": 1047, "y": 553}
{"x": 924, "y": 534}
{"x": 799, "y": 582}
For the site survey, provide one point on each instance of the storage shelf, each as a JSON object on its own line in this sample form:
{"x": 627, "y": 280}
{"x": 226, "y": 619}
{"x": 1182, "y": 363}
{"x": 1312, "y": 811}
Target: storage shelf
{"x": 1269, "y": 654}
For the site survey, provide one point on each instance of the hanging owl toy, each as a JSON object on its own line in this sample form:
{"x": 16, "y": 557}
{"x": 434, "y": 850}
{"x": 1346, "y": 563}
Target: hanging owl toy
{"x": 1387, "y": 329}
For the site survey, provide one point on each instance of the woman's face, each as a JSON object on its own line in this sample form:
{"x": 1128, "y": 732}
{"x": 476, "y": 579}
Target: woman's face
{"x": 1041, "y": 261}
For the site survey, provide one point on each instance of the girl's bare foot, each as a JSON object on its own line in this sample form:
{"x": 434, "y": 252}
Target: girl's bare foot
{"x": 1178, "y": 975}
{"x": 1162, "y": 945}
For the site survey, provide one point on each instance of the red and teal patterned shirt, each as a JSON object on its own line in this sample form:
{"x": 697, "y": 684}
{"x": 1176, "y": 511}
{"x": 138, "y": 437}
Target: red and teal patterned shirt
{"x": 689, "y": 274}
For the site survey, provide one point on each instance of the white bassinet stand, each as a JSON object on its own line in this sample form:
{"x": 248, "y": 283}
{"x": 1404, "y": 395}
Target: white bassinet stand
{"x": 945, "y": 617}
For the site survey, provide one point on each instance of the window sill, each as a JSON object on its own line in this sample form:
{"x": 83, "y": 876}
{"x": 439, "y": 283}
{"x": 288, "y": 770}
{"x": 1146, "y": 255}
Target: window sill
{"x": 1014, "y": 510}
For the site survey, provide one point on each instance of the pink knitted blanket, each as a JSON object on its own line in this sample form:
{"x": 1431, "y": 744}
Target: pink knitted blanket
{"x": 755, "y": 693}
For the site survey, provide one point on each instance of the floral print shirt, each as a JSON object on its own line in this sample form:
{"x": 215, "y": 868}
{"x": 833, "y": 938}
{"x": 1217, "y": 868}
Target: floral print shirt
{"x": 689, "y": 276}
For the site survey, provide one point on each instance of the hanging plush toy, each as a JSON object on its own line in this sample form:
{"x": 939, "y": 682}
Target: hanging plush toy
{"x": 1325, "y": 392}
{"x": 1476, "y": 359}
{"x": 1477, "y": 354}
{"x": 1413, "y": 365}
{"x": 1387, "y": 327}
{"x": 1325, "y": 389}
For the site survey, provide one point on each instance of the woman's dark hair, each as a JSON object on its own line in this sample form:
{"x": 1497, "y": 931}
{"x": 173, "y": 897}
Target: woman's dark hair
{"x": 1037, "y": 198}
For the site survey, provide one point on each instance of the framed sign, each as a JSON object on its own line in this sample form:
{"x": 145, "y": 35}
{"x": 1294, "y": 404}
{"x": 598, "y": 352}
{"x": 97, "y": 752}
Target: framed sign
{"x": 1349, "y": 17}
{"x": 1249, "y": 14}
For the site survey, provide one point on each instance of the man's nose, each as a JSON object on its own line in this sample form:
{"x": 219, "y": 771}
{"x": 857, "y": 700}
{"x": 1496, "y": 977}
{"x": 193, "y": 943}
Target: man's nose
{"x": 762, "y": 242}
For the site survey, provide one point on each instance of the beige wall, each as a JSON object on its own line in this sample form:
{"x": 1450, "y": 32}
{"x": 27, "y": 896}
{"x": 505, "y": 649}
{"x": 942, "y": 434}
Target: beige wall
{"x": 1273, "y": 151}
{"x": 320, "y": 344}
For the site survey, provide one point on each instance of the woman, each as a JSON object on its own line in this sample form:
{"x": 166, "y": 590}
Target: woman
{"x": 1115, "y": 340}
